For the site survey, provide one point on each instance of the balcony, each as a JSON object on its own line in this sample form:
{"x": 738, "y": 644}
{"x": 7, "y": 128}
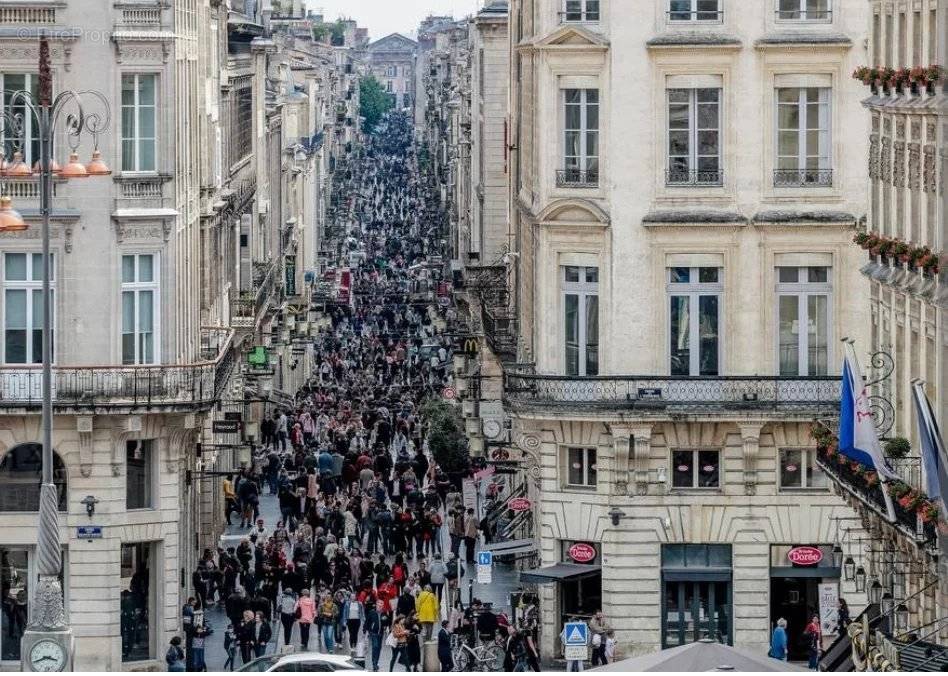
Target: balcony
{"x": 811, "y": 396}
{"x": 577, "y": 178}
{"x": 803, "y": 178}
{"x": 141, "y": 192}
{"x": 246, "y": 310}
{"x": 692, "y": 178}
{"x": 30, "y": 14}
{"x": 138, "y": 16}
{"x": 165, "y": 386}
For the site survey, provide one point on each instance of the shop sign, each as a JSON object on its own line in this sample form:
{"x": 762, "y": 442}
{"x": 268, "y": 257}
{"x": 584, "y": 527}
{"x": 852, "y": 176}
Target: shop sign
{"x": 519, "y": 504}
{"x": 582, "y": 552}
{"x": 89, "y": 532}
{"x": 805, "y": 556}
{"x": 829, "y": 607}
{"x": 225, "y": 426}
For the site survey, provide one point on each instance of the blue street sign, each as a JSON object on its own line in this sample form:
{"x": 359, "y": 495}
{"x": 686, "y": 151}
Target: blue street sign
{"x": 485, "y": 558}
{"x": 89, "y": 532}
{"x": 577, "y": 633}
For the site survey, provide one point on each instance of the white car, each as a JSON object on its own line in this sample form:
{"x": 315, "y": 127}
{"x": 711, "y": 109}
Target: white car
{"x": 307, "y": 661}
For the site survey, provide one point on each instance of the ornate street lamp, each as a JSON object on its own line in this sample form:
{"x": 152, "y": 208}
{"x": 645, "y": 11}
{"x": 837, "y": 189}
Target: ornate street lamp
{"x": 860, "y": 577}
{"x": 901, "y": 618}
{"x": 849, "y": 568}
{"x": 887, "y": 603}
{"x": 837, "y": 556}
{"x": 47, "y": 642}
{"x": 875, "y": 592}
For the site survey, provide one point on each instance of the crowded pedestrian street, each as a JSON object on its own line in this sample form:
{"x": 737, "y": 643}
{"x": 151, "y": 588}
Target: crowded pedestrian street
{"x": 345, "y": 536}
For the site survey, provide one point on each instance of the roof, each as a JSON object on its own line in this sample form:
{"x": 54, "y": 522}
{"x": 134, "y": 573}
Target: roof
{"x": 495, "y": 8}
{"x": 393, "y": 42}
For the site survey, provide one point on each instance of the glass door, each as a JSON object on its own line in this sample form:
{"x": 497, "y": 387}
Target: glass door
{"x": 695, "y": 611}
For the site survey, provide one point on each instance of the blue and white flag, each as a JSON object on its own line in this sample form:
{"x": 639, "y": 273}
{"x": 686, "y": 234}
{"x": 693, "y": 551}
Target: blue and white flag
{"x": 934, "y": 457}
{"x": 857, "y": 432}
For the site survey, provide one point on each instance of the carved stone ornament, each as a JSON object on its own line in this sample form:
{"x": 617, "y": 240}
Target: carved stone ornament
{"x": 885, "y": 160}
{"x": 142, "y": 231}
{"x": 930, "y": 179}
{"x": 85, "y": 447}
{"x": 27, "y": 54}
{"x": 898, "y": 165}
{"x": 914, "y": 166}
{"x": 874, "y": 156}
{"x": 61, "y": 232}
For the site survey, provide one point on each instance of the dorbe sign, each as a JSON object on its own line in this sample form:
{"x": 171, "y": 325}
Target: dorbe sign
{"x": 519, "y": 504}
{"x": 805, "y": 556}
{"x": 582, "y": 552}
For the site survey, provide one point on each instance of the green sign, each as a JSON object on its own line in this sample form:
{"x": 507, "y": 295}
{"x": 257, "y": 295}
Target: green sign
{"x": 258, "y": 356}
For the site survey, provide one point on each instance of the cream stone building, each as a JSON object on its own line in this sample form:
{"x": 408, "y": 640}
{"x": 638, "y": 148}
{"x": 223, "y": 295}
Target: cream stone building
{"x": 166, "y": 273}
{"x": 391, "y": 60}
{"x": 685, "y": 181}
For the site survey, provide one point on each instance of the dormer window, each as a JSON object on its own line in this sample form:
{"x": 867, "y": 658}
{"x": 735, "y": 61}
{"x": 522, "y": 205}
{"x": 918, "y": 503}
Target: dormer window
{"x": 695, "y": 10}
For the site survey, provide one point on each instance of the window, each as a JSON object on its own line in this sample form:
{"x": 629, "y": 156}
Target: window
{"x": 798, "y": 469}
{"x": 696, "y": 469}
{"x": 581, "y": 10}
{"x": 21, "y": 473}
{"x": 23, "y": 307}
{"x": 138, "y": 475}
{"x": 581, "y": 467}
{"x": 28, "y": 142}
{"x": 695, "y": 310}
{"x": 18, "y": 578}
{"x": 138, "y": 122}
{"x": 581, "y": 309}
{"x": 804, "y": 10}
{"x": 139, "y": 308}
{"x": 803, "y": 137}
{"x": 803, "y": 296}
{"x": 391, "y": 71}
{"x": 390, "y": 86}
{"x": 694, "y": 137}
{"x": 694, "y": 10}
{"x": 580, "y": 138}
{"x": 136, "y": 601}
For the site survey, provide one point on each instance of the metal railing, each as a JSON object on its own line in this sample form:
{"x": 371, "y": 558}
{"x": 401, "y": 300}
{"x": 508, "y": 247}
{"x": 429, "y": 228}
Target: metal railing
{"x": 685, "y": 178}
{"x": 803, "y": 178}
{"x": 909, "y": 470}
{"x": 179, "y": 385}
{"x": 577, "y": 178}
{"x": 245, "y": 309}
{"x": 812, "y": 395}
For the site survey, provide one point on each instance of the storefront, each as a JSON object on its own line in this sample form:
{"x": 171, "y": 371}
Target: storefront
{"x": 804, "y": 581}
{"x": 696, "y": 594}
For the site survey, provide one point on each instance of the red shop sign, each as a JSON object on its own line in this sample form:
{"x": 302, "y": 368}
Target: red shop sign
{"x": 582, "y": 552}
{"x": 805, "y": 556}
{"x": 519, "y": 504}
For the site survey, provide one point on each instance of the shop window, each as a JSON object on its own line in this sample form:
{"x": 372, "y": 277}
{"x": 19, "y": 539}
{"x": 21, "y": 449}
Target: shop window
{"x": 694, "y": 468}
{"x": 798, "y": 469}
{"x": 17, "y": 580}
{"x": 139, "y": 474}
{"x": 136, "y": 602}
{"x": 581, "y": 467}
{"x": 21, "y": 473}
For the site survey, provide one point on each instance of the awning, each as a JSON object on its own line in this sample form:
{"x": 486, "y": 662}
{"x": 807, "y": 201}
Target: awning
{"x": 558, "y": 572}
{"x": 511, "y": 547}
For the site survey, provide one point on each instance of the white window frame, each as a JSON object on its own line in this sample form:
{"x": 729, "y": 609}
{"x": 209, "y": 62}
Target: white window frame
{"x": 30, "y": 127}
{"x": 583, "y": 159}
{"x": 807, "y": 459}
{"x": 136, "y": 138}
{"x": 151, "y": 467}
{"x": 693, "y": 157}
{"x": 390, "y": 86}
{"x": 803, "y": 290}
{"x": 584, "y": 12}
{"x": 136, "y": 287}
{"x": 391, "y": 71}
{"x": 587, "y": 466}
{"x": 695, "y": 453}
{"x": 694, "y": 291}
{"x": 583, "y": 290}
{"x": 31, "y": 287}
{"x": 693, "y": 13}
{"x": 823, "y": 154}
{"x": 802, "y": 13}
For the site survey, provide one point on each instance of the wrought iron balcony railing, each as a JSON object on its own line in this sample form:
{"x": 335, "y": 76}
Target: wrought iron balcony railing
{"x": 245, "y": 310}
{"x": 577, "y": 178}
{"x": 803, "y": 178}
{"x": 685, "y": 178}
{"x": 816, "y": 396}
{"x": 179, "y": 386}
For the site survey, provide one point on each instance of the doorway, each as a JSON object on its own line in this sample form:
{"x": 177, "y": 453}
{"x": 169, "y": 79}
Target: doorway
{"x": 695, "y": 610}
{"x": 795, "y": 599}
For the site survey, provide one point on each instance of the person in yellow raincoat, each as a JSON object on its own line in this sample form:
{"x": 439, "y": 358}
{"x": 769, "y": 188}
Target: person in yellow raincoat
{"x": 428, "y": 610}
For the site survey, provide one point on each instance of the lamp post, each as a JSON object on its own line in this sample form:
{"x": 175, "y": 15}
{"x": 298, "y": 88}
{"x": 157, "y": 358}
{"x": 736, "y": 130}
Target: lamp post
{"x": 47, "y": 642}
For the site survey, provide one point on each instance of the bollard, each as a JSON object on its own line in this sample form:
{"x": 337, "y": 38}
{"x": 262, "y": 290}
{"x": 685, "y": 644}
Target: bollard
{"x": 430, "y": 661}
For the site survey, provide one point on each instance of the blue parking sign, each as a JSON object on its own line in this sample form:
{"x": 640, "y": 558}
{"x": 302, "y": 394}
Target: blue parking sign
{"x": 485, "y": 558}
{"x": 576, "y": 633}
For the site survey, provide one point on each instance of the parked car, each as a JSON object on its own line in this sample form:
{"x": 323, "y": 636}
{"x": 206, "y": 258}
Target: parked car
{"x": 305, "y": 661}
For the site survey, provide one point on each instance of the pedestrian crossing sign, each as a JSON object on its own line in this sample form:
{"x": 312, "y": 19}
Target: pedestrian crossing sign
{"x": 577, "y": 633}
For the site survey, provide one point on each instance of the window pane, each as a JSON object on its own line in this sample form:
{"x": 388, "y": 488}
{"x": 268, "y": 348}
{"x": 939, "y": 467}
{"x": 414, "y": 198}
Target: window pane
{"x": 818, "y": 335}
{"x": 36, "y": 274}
{"x": 146, "y": 159}
{"x": 592, "y": 468}
{"x": 789, "y": 345}
{"x": 592, "y": 335}
{"x": 789, "y": 143}
{"x": 678, "y": 115}
{"x": 592, "y": 95}
{"x": 791, "y": 468}
{"x": 576, "y": 467}
{"x": 128, "y": 269}
{"x": 592, "y": 117}
{"x": 145, "y": 310}
{"x": 708, "y": 116}
{"x": 15, "y": 309}
{"x": 788, "y": 95}
{"x": 708, "y": 469}
{"x": 592, "y": 275}
{"x": 573, "y": 95}
{"x": 680, "y": 275}
{"x": 572, "y": 273}
{"x": 815, "y": 478}
{"x": 682, "y": 469}
{"x": 15, "y": 267}
{"x": 146, "y": 90}
{"x": 719, "y": 556}
{"x": 788, "y": 275}
{"x": 818, "y": 275}
{"x": 572, "y": 334}
{"x": 678, "y": 143}
{"x": 680, "y": 336}
{"x": 128, "y": 90}
{"x": 708, "y": 334}
{"x": 138, "y": 474}
{"x": 708, "y": 275}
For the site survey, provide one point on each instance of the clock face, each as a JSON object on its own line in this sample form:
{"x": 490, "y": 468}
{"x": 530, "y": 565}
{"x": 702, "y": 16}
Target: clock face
{"x": 491, "y": 429}
{"x": 47, "y": 655}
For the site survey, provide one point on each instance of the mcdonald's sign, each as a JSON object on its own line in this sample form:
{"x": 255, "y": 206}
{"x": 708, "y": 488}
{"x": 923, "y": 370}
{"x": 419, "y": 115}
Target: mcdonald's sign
{"x": 471, "y": 346}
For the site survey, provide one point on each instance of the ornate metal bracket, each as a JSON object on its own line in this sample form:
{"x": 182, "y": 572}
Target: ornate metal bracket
{"x": 881, "y": 365}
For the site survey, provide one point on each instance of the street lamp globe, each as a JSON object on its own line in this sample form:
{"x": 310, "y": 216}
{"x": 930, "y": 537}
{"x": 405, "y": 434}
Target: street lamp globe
{"x": 10, "y": 219}
{"x": 74, "y": 168}
{"x": 18, "y": 168}
{"x": 96, "y": 166}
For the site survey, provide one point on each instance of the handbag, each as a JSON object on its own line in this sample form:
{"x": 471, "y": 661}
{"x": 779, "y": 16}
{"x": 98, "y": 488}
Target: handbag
{"x": 299, "y": 613}
{"x": 390, "y": 640}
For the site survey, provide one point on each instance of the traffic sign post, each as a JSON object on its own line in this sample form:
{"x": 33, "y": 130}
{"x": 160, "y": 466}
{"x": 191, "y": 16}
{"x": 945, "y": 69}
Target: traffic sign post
{"x": 485, "y": 567}
{"x": 576, "y": 641}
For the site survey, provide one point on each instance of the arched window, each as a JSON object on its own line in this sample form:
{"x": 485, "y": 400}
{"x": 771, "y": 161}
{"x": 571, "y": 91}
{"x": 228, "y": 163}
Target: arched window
{"x": 21, "y": 472}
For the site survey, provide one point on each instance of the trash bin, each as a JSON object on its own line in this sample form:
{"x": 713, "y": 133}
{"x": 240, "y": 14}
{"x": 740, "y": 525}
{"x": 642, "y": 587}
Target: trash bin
{"x": 430, "y": 661}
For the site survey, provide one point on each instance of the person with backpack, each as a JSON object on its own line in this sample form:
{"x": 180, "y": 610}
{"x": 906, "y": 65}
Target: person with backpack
{"x": 174, "y": 658}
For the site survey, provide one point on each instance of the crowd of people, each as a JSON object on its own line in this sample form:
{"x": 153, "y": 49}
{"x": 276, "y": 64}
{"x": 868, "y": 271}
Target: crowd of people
{"x": 359, "y": 555}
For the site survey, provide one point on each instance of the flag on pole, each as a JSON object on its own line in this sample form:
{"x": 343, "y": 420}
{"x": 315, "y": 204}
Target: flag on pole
{"x": 857, "y": 432}
{"x": 934, "y": 457}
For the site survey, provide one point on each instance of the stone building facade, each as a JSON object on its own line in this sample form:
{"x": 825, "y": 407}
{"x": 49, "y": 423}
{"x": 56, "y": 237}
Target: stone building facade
{"x": 392, "y": 61}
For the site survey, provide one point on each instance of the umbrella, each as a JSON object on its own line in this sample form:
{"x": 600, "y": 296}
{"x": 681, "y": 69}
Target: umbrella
{"x": 705, "y": 655}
